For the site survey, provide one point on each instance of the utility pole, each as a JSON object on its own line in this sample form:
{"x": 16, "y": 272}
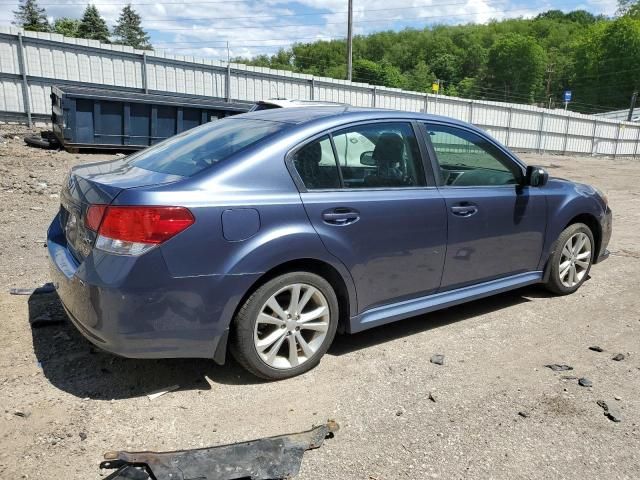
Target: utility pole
{"x": 634, "y": 98}
{"x": 549, "y": 72}
{"x": 350, "y": 41}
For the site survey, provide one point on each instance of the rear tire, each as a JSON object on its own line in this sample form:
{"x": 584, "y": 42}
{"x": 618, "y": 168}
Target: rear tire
{"x": 571, "y": 261}
{"x": 285, "y": 327}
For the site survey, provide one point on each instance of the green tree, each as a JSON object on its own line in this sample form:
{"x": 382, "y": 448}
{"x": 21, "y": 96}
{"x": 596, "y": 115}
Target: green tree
{"x": 420, "y": 78}
{"x": 367, "y": 71}
{"x": 128, "y": 30}
{"x": 606, "y": 72}
{"x": 517, "y": 65}
{"x": 93, "y": 26}
{"x": 519, "y": 59}
{"x": 31, "y": 16}
{"x": 629, "y": 8}
{"x": 66, "y": 26}
{"x": 468, "y": 88}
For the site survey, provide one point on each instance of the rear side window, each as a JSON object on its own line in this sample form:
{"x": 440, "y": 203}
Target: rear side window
{"x": 379, "y": 155}
{"x": 316, "y": 165}
{"x": 195, "y": 150}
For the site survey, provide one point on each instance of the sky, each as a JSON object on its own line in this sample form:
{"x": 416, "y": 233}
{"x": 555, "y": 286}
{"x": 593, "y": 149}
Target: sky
{"x": 202, "y": 28}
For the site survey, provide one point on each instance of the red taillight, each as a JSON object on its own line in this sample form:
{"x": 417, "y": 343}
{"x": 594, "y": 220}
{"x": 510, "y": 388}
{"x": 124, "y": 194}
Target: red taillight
{"x": 94, "y": 216}
{"x": 144, "y": 224}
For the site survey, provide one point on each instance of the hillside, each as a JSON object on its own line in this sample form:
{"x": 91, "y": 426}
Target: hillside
{"x": 518, "y": 60}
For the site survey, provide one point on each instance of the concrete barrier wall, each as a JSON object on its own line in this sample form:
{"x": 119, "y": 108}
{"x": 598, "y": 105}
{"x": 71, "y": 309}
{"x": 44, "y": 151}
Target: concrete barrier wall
{"x": 30, "y": 62}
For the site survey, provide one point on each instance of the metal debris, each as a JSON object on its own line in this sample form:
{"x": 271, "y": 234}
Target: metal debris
{"x": 263, "y": 459}
{"x": 556, "y": 367}
{"x": 46, "y": 288}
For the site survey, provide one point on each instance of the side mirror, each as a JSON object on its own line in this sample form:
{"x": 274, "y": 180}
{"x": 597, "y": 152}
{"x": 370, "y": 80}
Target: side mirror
{"x": 536, "y": 176}
{"x": 366, "y": 158}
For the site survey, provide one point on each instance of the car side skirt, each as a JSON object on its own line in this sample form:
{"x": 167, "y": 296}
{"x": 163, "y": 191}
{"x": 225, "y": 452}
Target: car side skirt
{"x": 409, "y": 308}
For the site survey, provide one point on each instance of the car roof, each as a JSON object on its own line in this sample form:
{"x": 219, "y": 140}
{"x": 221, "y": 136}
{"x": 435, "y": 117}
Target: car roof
{"x": 341, "y": 114}
{"x": 287, "y": 103}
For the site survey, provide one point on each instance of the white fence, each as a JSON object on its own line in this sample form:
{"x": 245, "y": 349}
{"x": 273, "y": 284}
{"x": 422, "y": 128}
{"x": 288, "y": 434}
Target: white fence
{"x": 30, "y": 62}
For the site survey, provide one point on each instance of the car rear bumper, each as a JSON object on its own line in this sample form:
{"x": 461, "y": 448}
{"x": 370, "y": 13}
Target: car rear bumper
{"x": 132, "y": 306}
{"x": 606, "y": 226}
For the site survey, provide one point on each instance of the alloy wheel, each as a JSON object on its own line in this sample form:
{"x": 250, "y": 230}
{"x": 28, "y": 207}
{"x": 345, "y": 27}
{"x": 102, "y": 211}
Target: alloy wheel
{"x": 291, "y": 326}
{"x": 575, "y": 259}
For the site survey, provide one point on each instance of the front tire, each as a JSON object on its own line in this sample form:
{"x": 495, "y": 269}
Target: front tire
{"x": 572, "y": 259}
{"x": 285, "y": 327}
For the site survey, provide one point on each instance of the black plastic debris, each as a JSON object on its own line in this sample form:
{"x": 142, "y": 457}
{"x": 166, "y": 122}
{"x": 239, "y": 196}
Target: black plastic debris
{"x": 264, "y": 459}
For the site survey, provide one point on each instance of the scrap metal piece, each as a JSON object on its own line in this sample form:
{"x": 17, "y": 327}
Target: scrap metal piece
{"x": 263, "y": 459}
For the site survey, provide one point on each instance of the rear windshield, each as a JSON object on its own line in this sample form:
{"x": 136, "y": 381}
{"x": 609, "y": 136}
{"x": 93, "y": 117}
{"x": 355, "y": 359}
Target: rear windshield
{"x": 194, "y": 150}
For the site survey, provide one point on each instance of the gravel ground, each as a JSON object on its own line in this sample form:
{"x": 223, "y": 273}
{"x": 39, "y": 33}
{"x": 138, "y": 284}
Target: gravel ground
{"x": 496, "y": 412}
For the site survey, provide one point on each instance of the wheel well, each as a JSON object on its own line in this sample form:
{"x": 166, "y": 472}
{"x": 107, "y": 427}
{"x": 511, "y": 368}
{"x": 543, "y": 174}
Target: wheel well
{"x": 323, "y": 269}
{"x": 593, "y": 224}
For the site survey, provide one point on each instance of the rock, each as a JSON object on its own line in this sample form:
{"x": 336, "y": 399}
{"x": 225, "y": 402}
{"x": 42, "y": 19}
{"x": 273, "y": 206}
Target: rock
{"x": 20, "y": 413}
{"x": 618, "y": 357}
{"x": 613, "y": 415}
{"x": 438, "y": 359}
{"x": 523, "y": 414}
{"x": 603, "y": 405}
{"x": 399, "y": 413}
{"x": 595, "y": 348}
{"x": 616, "y": 397}
{"x": 83, "y": 436}
{"x": 585, "y": 382}
{"x": 432, "y": 397}
{"x": 559, "y": 367}
{"x": 44, "y": 319}
{"x": 36, "y": 209}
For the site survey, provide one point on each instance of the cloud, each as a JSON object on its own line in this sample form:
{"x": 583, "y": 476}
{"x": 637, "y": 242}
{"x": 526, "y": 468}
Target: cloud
{"x": 188, "y": 27}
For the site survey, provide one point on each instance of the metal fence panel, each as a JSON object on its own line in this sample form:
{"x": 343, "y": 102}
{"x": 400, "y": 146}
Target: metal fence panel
{"x": 38, "y": 60}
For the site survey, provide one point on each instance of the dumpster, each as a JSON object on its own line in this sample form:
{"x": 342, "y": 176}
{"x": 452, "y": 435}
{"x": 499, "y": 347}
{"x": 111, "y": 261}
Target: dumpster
{"x": 85, "y": 117}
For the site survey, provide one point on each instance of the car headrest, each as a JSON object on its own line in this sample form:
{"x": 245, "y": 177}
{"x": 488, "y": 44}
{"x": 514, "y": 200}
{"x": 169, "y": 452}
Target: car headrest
{"x": 388, "y": 149}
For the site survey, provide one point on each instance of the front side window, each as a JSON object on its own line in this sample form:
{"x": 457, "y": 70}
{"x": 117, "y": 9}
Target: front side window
{"x": 316, "y": 165}
{"x": 194, "y": 150}
{"x": 466, "y": 159}
{"x": 379, "y": 155}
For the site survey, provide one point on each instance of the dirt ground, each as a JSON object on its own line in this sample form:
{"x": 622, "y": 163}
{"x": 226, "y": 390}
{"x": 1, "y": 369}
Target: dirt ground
{"x": 496, "y": 412}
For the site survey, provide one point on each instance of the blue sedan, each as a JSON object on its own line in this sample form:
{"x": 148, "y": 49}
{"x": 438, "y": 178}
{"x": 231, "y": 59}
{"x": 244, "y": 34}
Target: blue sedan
{"x": 268, "y": 232}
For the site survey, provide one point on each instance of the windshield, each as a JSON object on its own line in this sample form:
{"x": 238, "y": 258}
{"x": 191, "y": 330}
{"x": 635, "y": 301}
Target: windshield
{"x": 193, "y": 151}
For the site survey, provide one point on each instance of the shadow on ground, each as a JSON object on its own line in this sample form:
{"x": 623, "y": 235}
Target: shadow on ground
{"x": 72, "y": 364}
{"x": 344, "y": 344}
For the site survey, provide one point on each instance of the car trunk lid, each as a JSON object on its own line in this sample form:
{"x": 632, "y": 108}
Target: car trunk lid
{"x": 98, "y": 184}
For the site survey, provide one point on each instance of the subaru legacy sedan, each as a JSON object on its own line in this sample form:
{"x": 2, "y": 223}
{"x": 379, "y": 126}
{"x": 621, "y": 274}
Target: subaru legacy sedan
{"x": 268, "y": 232}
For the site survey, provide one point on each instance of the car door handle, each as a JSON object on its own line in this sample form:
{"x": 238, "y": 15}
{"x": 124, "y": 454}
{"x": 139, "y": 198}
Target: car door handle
{"x": 464, "y": 210}
{"x": 340, "y": 216}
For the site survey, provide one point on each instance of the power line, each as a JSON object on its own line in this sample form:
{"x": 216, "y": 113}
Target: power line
{"x": 251, "y": 17}
{"x": 414, "y": 19}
